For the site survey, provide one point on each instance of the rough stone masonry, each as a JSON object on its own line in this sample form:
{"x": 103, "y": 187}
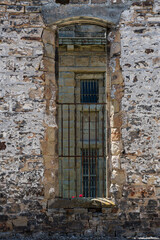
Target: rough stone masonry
{"x": 28, "y": 123}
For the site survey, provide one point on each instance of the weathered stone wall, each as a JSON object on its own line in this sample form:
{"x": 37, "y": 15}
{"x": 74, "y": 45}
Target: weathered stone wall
{"x": 28, "y": 125}
{"x": 22, "y": 103}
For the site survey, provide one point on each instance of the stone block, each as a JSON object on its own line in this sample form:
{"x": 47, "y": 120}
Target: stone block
{"x": 49, "y": 176}
{"x": 82, "y": 61}
{"x": 69, "y": 82}
{"x": 98, "y": 61}
{"x": 117, "y": 120}
{"x": 67, "y": 61}
{"x": 50, "y": 78}
{"x": 117, "y": 78}
{"x": 20, "y": 222}
{"x": 49, "y": 148}
{"x": 116, "y": 148}
{"x": 15, "y": 9}
{"x": 65, "y": 75}
{"x": 115, "y": 134}
{"x": 49, "y": 50}
{"x": 48, "y": 92}
{"x": 80, "y": 210}
{"x": 35, "y": 9}
{"x": 49, "y": 64}
{"x": 50, "y": 162}
{"x": 80, "y": 76}
{"x": 49, "y": 37}
{"x": 70, "y": 47}
{"x": 52, "y": 134}
{"x": 116, "y": 163}
{"x": 116, "y": 106}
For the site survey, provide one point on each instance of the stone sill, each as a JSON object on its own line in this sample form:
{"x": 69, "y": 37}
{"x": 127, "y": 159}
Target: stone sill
{"x": 77, "y": 203}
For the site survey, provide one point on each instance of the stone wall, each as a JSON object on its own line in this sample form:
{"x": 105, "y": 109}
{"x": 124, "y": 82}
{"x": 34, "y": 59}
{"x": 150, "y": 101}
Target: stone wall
{"x": 29, "y": 161}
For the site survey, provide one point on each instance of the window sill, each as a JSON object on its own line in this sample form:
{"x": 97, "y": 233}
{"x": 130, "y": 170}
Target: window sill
{"x": 80, "y": 203}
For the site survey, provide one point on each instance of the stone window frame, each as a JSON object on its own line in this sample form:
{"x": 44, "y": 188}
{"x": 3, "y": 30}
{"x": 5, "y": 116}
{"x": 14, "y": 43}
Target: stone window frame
{"x": 115, "y": 87}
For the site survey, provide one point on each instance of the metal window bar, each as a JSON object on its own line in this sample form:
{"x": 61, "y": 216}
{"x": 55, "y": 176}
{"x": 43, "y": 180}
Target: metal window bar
{"x": 88, "y": 155}
{"x": 89, "y": 172}
{"x": 89, "y": 91}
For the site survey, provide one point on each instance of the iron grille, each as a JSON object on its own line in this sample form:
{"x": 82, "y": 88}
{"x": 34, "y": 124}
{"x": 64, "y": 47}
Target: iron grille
{"x": 90, "y": 171}
{"x": 89, "y": 91}
{"x": 82, "y": 150}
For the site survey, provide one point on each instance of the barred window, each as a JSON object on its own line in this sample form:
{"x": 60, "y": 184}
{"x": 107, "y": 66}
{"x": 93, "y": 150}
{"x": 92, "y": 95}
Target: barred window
{"x": 89, "y": 91}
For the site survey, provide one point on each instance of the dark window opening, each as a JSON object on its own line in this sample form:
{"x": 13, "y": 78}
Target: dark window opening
{"x": 63, "y": 1}
{"x": 89, "y": 91}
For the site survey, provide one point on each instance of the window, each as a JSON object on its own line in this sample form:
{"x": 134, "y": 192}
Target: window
{"x": 89, "y": 91}
{"x": 81, "y": 114}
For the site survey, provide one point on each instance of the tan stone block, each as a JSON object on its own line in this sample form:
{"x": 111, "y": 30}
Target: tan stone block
{"x": 70, "y": 47}
{"x": 49, "y": 64}
{"x": 49, "y": 50}
{"x": 98, "y": 61}
{"x": 50, "y": 78}
{"x": 117, "y": 120}
{"x": 115, "y": 134}
{"x": 82, "y": 61}
{"x": 51, "y": 162}
{"x": 67, "y": 61}
{"x": 35, "y": 93}
{"x": 20, "y": 222}
{"x": 115, "y": 49}
{"x": 52, "y": 134}
{"x": 89, "y": 76}
{"x": 119, "y": 93}
{"x": 117, "y": 78}
{"x": 117, "y": 37}
{"x": 48, "y": 37}
{"x": 49, "y": 148}
{"x": 70, "y": 82}
{"x": 49, "y": 176}
{"x": 118, "y": 66}
{"x": 116, "y": 106}
{"x": 49, "y": 191}
{"x": 118, "y": 177}
{"x": 65, "y": 75}
{"x": 115, "y": 148}
{"x": 47, "y": 92}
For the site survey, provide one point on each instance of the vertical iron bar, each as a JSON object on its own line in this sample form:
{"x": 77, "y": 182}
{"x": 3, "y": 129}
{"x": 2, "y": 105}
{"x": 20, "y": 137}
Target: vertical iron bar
{"x": 82, "y": 154}
{"x": 103, "y": 142}
{"x": 68, "y": 151}
{"x": 61, "y": 150}
{"x": 89, "y": 156}
{"x": 75, "y": 143}
{"x": 96, "y": 146}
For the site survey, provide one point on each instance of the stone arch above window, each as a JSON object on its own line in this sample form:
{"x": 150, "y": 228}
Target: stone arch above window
{"x": 62, "y": 15}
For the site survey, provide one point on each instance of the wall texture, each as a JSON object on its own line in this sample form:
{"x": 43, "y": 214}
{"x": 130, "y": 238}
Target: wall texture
{"x": 28, "y": 127}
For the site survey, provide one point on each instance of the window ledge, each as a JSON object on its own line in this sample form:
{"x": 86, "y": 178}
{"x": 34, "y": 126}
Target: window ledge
{"x": 80, "y": 203}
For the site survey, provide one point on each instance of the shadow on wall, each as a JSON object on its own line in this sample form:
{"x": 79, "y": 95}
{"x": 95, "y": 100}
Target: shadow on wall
{"x": 63, "y": 1}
